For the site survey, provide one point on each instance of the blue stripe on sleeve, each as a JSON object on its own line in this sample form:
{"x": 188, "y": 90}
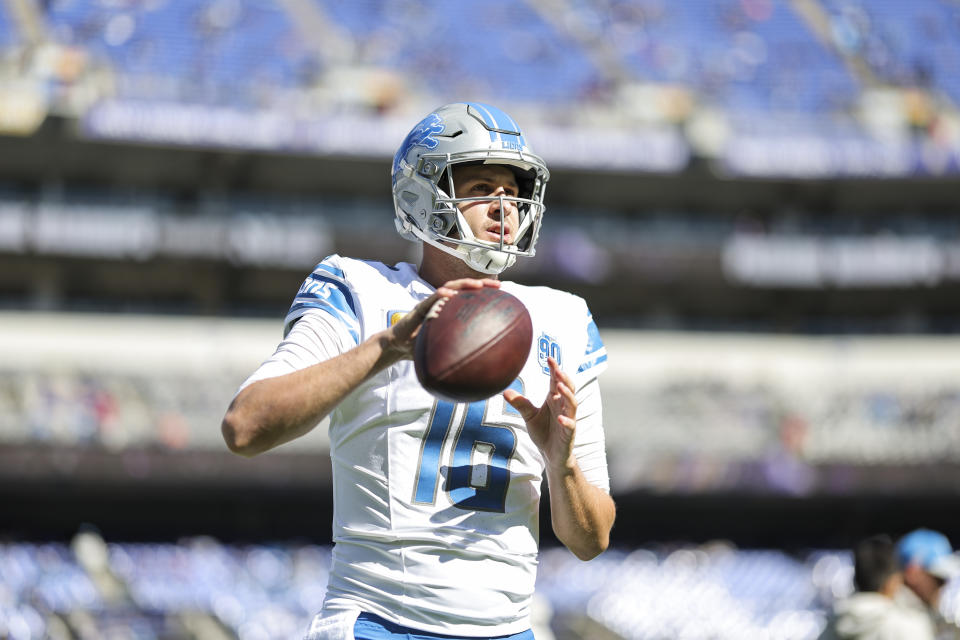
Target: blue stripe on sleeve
{"x": 348, "y": 320}
{"x": 325, "y": 289}
{"x": 592, "y": 363}
{"x": 594, "y": 342}
{"x": 335, "y": 291}
{"x": 351, "y": 327}
{"x": 332, "y": 270}
{"x": 596, "y": 352}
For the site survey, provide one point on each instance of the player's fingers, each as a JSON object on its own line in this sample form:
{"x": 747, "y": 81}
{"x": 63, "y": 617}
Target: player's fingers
{"x": 562, "y": 404}
{"x": 409, "y": 325}
{"x": 563, "y": 400}
{"x": 558, "y": 378}
{"x": 521, "y": 404}
{"x": 419, "y": 312}
{"x": 567, "y": 394}
{"x": 558, "y": 374}
{"x": 471, "y": 283}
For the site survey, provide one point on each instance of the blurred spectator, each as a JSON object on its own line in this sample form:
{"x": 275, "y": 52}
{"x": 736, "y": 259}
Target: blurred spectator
{"x": 784, "y": 467}
{"x": 928, "y": 562}
{"x": 873, "y": 612}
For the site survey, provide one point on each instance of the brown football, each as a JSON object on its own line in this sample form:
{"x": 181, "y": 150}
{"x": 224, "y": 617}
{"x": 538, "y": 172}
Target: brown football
{"x": 473, "y": 345}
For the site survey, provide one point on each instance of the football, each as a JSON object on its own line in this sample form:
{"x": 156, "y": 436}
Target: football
{"x": 473, "y": 345}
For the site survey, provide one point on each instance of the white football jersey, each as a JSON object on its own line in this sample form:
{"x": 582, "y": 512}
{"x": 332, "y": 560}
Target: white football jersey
{"x": 436, "y": 504}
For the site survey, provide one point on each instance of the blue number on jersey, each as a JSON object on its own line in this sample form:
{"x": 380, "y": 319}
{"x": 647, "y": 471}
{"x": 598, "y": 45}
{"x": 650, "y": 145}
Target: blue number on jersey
{"x": 480, "y": 487}
{"x": 548, "y": 347}
{"x": 426, "y": 490}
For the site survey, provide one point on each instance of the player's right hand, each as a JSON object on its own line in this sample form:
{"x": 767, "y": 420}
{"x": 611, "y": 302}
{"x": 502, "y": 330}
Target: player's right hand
{"x": 403, "y": 334}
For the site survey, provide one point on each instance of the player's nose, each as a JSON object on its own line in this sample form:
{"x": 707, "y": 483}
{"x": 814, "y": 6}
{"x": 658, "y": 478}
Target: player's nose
{"x": 500, "y": 200}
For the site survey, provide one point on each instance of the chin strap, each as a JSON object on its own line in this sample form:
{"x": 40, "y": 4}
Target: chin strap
{"x": 489, "y": 260}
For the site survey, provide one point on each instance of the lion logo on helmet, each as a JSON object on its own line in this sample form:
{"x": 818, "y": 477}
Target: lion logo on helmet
{"x": 420, "y": 136}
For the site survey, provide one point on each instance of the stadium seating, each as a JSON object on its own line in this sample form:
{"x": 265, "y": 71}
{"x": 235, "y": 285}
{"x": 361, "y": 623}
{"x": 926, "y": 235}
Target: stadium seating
{"x": 489, "y": 48}
{"x": 266, "y": 592}
{"x": 74, "y": 408}
{"x": 846, "y": 87}
{"x": 8, "y": 32}
{"x": 214, "y": 48}
{"x": 256, "y": 592}
{"x": 743, "y": 57}
{"x": 757, "y": 407}
{"x": 911, "y": 44}
{"x": 204, "y": 50}
{"x": 740, "y": 57}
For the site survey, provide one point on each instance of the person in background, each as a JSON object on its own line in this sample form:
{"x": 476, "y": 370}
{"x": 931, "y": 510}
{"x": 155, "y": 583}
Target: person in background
{"x": 873, "y": 612}
{"x": 928, "y": 562}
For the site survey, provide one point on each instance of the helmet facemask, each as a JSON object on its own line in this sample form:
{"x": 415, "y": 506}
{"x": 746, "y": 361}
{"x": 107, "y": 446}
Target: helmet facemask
{"x": 453, "y": 233}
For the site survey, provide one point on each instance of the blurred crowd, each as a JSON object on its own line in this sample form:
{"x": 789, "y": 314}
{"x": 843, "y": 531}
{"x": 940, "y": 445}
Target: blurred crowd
{"x": 884, "y": 66}
{"x": 683, "y": 436}
{"x": 198, "y": 588}
{"x": 707, "y": 434}
{"x": 71, "y": 408}
{"x": 788, "y": 247}
{"x": 204, "y": 589}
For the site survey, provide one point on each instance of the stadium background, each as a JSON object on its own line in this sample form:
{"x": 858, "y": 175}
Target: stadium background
{"x": 758, "y": 198}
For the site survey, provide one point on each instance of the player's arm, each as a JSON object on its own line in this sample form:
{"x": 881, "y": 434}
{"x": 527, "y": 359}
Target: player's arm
{"x": 582, "y": 514}
{"x": 275, "y": 410}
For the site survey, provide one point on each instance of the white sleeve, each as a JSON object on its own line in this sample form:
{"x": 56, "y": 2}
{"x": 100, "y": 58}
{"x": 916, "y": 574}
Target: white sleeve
{"x": 316, "y": 336}
{"x": 589, "y": 445}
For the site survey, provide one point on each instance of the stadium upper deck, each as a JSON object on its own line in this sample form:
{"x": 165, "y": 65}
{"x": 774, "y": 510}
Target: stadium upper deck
{"x": 866, "y": 77}
{"x": 743, "y": 55}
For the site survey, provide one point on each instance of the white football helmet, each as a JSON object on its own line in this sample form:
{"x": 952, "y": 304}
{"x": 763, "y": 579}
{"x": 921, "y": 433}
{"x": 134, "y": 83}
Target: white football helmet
{"x": 423, "y": 196}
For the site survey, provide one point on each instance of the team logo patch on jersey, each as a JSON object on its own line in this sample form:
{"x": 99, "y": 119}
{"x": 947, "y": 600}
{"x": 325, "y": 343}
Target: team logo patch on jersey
{"x": 548, "y": 347}
{"x": 393, "y": 317}
{"x": 420, "y": 136}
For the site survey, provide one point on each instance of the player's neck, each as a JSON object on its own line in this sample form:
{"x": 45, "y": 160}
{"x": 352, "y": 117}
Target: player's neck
{"x": 438, "y": 267}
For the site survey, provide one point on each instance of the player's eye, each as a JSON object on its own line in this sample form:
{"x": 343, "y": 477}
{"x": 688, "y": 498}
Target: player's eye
{"x": 484, "y": 188}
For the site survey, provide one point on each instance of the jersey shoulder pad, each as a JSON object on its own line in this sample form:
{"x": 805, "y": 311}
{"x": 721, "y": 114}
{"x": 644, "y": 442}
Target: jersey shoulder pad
{"x": 328, "y": 289}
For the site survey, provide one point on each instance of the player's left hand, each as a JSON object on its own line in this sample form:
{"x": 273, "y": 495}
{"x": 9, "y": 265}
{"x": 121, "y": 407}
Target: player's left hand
{"x": 553, "y": 424}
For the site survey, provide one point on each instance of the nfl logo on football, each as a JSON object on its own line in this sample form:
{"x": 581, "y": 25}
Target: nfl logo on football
{"x": 547, "y": 347}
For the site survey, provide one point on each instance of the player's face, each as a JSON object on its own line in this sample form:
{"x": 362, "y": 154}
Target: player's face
{"x": 924, "y": 584}
{"x": 484, "y": 216}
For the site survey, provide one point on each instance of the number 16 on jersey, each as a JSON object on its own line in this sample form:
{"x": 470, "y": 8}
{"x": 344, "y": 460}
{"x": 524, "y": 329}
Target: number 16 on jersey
{"x": 478, "y": 475}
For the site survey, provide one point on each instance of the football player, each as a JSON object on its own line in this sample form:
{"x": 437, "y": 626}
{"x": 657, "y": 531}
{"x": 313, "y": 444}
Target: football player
{"x": 436, "y": 504}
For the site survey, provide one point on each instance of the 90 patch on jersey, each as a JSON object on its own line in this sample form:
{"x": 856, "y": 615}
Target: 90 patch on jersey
{"x": 548, "y": 347}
